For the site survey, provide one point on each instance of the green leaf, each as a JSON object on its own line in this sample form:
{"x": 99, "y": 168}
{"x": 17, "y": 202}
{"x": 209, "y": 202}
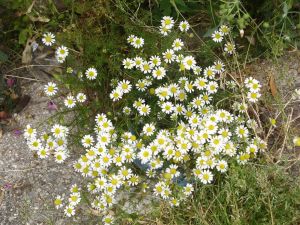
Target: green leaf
{"x": 23, "y": 36}
{"x": 209, "y": 32}
{"x": 3, "y": 56}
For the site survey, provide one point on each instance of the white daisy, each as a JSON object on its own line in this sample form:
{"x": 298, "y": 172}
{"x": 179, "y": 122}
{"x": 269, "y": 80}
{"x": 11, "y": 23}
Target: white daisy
{"x": 129, "y": 63}
{"x": 48, "y": 39}
{"x": 70, "y": 102}
{"x": 206, "y": 177}
{"x": 81, "y": 97}
{"x": 184, "y": 26}
{"x": 62, "y": 51}
{"x": 189, "y": 62}
{"x": 148, "y": 129}
{"x": 91, "y": 73}
{"x": 177, "y": 44}
{"x": 124, "y": 86}
{"x": 229, "y": 48}
{"x": 217, "y": 36}
{"x": 159, "y": 73}
{"x": 116, "y": 94}
{"x": 50, "y": 89}
{"x": 169, "y": 56}
{"x": 138, "y": 42}
{"x": 144, "y": 110}
{"x": 69, "y": 211}
{"x": 167, "y": 22}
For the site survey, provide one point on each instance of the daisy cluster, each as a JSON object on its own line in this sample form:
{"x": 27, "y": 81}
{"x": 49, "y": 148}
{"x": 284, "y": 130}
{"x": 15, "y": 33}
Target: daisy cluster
{"x": 54, "y": 143}
{"x": 182, "y": 137}
{"x": 61, "y": 52}
{"x": 220, "y": 34}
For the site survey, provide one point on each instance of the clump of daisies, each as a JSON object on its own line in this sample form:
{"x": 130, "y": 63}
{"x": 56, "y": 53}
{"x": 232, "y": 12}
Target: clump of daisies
{"x": 182, "y": 136}
{"x": 48, "y": 144}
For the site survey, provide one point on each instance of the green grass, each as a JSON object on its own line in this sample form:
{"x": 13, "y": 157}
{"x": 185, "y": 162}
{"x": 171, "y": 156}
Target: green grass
{"x": 253, "y": 194}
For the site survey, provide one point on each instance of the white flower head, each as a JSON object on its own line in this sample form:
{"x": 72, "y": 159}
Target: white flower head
{"x": 48, "y": 39}
{"x": 50, "y": 89}
{"x": 184, "y": 26}
{"x": 91, "y": 73}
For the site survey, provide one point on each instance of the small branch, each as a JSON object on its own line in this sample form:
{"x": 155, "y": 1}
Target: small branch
{"x": 25, "y": 78}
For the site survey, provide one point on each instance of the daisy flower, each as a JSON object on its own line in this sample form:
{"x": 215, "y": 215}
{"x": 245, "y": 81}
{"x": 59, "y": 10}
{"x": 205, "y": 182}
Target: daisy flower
{"x": 74, "y": 199}
{"x": 137, "y": 62}
{"x": 164, "y": 30}
{"x": 60, "y": 156}
{"x": 70, "y": 102}
{"x": 146, "y": 67}
{"x": 253, "y": 96}
{"x": 177, "y": 44}
{"x": 91, "y": 73}
{"x": 229, "y": 48}
{"x": 60, "y": 59}
{"x": 126, "y": 110}
{"x": 169, "y": 56}
{"x": 222, "y": 166}
{"x": 144, "y": 110}
{"x": 145, "y": 155}
{"x": 81, "y": 97}
{"x": 209, "y": 72}
{"x": 69, "y": 211}
{"x": 217, "y": 36}
{"x": 241, "y": 131}
{"x": 29, "y": 132}
{"x": 138, "y": 103}
{"x": 159, "y": 73}
{"x": 138, "y": 42}
{"x": 155, "y": 61}
{"x": 129, "y": 63}
{"x": 108, "y": 220}
{"x": 167, "y": 22}
{"x": 87, "y": 141}
{"x": 189, "y": 62}
{"x": 188, "y": 189}
{"x": 134, "y": 180}
{"x": 116, "y": 94}
{"x": 148, "y": 129}
{"x": 184, "y": 26}
{"x": 62, "y": 51}
{"x": 206, "y": 177}
{"x": 167, "y": 107}
{"x": 58, "y": 202}
{"x": 141, "y": 85}
{"x": 212, "y": 87}
{"x": 224, "y": 29}
{"x": 219, "y": 67}
{"x": 43, "y": 153}
{"x": 48, "y": 39}
{"x": 197, "y": 70}
{"x": 131, "y": 38}
{"x": 50, "y": 89}
{"x": 124, "y": 86}
{"x": 35, "y": 144}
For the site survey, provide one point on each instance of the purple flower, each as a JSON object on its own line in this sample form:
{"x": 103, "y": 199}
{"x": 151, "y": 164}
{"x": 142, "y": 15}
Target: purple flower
{"x": 52, "y": 106}
{"x": 10, "y": 82}
{"x": 7, "y": 186}
{"x": 18, "y": 132}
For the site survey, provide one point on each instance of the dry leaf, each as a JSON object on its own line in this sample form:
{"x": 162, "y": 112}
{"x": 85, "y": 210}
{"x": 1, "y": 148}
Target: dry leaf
{"x": 42, "y": 19}
{"x": 273, "y": 86}
{"x": 3, "y": 115}
{"x": 251, "y": 39}
{"x": 27, "y": 53}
